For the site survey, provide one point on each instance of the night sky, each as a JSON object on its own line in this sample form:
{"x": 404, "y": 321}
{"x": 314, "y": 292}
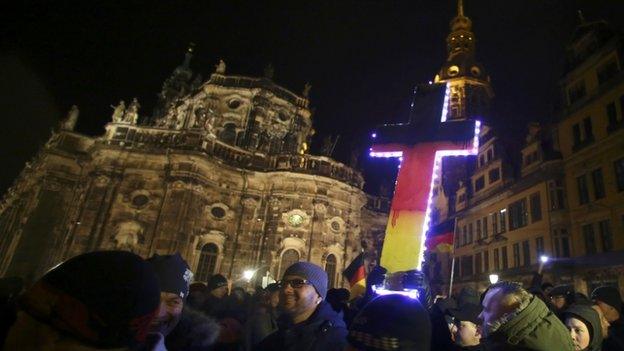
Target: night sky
{"x": 362, "y": 58}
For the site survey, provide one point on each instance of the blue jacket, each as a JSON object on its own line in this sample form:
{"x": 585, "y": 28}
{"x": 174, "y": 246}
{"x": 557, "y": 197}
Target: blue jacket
{"x": 323, "y": 331}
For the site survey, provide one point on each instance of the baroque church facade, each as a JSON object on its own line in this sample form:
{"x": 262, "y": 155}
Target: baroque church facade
{"x": 221, "y": 172}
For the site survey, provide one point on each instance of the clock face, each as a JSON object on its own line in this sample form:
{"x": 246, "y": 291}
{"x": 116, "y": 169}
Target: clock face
{"x": 295, "y": 220}
{"x": 453, "y": 71}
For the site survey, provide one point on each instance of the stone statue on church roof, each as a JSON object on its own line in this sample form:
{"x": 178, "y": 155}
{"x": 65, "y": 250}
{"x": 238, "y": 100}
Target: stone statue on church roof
{"x": 220, "y": 67}
{"x": 132, "y": 113}
{"x": 118, "y": 111}
{"x": 354, "y": 158}
{"x": 69, "y": 123}
{"x": 306, "y": 89}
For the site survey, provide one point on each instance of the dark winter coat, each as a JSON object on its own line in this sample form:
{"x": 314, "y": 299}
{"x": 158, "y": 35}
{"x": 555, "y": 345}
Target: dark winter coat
{"x": 440, "y": 334}
{"x": 262, "y": 323}
{"x": 194, "y": 332}
{"x": 214, "y": 307}
{"x": 587, "y": 315}
{"x": 323, "y": 331}
{"x": 531, "y": 327}
{"x": 615, "y": 341}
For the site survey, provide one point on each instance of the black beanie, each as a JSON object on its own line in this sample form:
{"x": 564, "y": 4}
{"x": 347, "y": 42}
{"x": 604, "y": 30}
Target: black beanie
{"x": 391, "y": 322}
{"x": 609, "y": 295}
{"x": 216, "y": 281}
{"x": 106, "y": 298}
{"x": 173, "y": 273}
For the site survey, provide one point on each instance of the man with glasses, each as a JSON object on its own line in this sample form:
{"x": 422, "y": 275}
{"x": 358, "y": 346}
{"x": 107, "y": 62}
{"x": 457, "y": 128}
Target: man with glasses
{"x": 307, "y": 321}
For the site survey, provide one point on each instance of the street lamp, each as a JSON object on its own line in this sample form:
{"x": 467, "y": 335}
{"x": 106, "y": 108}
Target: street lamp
{"x": 493, "y": 278}
{"x": 248, "y": 274}
{"x": 544, "y": 258}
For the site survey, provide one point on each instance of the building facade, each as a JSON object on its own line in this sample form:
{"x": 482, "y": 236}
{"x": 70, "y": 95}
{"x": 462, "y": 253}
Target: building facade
{"x": 591, "y": 136}
{"x": 561, "y": 195}
{"x": 220, "y": 172}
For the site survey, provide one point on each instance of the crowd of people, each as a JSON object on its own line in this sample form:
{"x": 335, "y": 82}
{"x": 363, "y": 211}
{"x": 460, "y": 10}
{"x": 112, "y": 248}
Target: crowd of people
{"x": 115, "y": 300}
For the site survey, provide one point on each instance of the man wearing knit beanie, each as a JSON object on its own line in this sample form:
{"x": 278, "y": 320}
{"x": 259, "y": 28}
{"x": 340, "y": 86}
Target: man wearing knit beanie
{"x": 217, "y": 292}
{"x": 610, "y": 302}
{"x": 307, "y": 321}
{"x": 97, "y": 300}
{"x": 174, "y": 276}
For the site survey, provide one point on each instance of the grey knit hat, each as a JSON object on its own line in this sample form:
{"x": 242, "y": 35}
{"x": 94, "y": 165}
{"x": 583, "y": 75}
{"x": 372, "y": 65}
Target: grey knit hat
{"x": 312, "y": 273}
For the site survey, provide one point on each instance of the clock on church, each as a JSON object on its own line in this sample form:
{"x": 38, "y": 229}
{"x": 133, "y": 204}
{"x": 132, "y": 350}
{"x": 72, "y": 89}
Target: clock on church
{"x": 295, "y": 220}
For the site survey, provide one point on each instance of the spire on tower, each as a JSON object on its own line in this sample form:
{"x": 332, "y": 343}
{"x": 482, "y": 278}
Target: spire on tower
{"x": 460, "y": 8}
{"x": 188, "y": 55}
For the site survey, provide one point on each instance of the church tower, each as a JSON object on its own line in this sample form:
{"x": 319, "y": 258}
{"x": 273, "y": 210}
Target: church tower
{"x": 469, "y": 85}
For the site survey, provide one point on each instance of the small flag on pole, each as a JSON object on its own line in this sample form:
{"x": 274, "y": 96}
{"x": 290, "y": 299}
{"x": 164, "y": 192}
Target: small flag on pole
{"x": 355, "y": 274}
{"x": 440, "y": 237}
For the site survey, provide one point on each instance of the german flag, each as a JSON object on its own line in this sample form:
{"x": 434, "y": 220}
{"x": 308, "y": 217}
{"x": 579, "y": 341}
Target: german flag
{"x": 440, "y": 237}
{"x": 355, "y": 274}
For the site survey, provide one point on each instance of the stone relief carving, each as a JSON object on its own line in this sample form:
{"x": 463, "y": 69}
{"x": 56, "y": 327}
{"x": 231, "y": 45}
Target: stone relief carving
{"x": 250, "y": 202}
{"x": 128, "y": 235}
{"x": 320, "y": 207}
{"x": 102, "y": 181}
{"x": 335, "y": 225}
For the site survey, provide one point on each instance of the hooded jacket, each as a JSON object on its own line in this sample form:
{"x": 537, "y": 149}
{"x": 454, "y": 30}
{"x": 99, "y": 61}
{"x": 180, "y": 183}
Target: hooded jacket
{"x": 324, "y": 330}
{"x": 530, "y": 327}
{"x": 587, "y": 315}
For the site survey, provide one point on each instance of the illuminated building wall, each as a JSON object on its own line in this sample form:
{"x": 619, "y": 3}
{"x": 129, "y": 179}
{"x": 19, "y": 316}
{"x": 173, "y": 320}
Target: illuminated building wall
{"x": 220, "y": 173}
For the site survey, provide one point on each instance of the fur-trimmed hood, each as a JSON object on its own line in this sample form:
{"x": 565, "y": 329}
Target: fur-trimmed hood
{"x": 531, "y": 326}
{"x": 195, "y": 332}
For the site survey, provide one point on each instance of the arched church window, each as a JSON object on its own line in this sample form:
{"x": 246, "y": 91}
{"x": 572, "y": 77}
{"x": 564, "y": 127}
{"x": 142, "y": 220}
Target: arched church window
{"x": 330, "y": 268}
{"x": 228, "y": 134}
{"x": 289, "y": 257}
{"x": 207, "y": 262}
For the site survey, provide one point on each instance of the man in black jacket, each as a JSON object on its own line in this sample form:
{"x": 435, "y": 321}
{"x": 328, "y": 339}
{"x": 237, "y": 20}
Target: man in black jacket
{"x": 308, "y": 322}
{"x": 609, "y": 301}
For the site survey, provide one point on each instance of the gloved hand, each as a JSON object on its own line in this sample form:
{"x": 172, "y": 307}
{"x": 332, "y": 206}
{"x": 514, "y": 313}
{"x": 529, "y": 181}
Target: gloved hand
{"x": 418, "y": 280}
{"x": 375, "y": 277}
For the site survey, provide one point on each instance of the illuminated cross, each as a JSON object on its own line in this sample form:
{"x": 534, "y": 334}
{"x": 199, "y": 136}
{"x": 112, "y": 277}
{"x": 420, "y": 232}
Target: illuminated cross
{"x": 420, "y": 145}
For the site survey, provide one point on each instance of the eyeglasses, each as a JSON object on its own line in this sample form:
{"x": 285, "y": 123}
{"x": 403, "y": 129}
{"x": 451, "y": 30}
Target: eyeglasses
{"x": 294, "y": 283}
